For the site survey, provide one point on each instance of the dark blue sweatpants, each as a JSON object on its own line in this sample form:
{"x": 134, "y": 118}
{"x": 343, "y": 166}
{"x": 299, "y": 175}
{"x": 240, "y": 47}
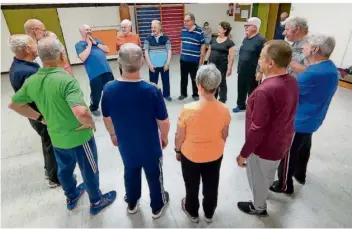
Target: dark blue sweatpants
{"x": 87, "y": 158}
{"x": 165, "y": 78}
{"x": 154, "y": 174}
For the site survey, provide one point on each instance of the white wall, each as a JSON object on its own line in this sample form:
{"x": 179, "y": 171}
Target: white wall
{"x": 6, "y": 54}
{"x": 72, "y": 18}
{"x": 334, "y": 19}
{"x": 214, "y": 14}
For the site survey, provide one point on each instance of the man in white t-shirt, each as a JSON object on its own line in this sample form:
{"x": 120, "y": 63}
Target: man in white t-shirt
{"x": 35, "y": 29}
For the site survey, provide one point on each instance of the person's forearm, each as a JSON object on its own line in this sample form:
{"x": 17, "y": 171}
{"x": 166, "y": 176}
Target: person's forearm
{"x": 104, "y": 48}
{"x": 164, "y": 127}
{"x": 109, "y": 125}
{"x": 231, "y": 60}
{"x": 147, "y": 58}
{"x": 84, "y": 117}
{"x": 169, "y": 54}
{"x": 179, "y": 141}
{"x": 25, "y": 111}
{"x": 202, "y": 54}
{"x": 208, "y": 54}
{"x": 84, "y": 55}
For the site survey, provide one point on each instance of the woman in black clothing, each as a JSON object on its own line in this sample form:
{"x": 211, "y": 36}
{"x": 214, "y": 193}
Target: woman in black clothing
{"x": 221, "y": 52}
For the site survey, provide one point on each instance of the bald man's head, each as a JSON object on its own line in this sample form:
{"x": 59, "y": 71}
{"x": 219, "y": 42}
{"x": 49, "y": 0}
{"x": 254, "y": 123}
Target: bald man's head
{"x": 283, "y": 16}
{"x": 85, "y": 31}
{"x": 35, "y": 29}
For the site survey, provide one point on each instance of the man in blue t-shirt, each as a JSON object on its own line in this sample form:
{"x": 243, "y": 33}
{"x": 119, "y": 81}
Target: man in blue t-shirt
{"x": 192, "y": 54}
{"x": 317, "y": 86}
{"x": 92, "y": 53}
{"x": 136, "y": 118}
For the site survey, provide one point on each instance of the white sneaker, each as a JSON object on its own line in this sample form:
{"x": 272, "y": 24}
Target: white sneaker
{"x": 208, "y": 220}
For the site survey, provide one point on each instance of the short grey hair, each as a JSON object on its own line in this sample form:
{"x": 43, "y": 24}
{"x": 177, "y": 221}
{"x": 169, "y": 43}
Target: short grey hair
{"x": 191, "y": 15}
{"x": 209, "y": 77}
{"x": 295, "y": 22}
{"x": 18, "y": 41}
{"x": 324, "y": 43}
{"x": 50, "y": 48}
{"x": 126, "y": 22}
{"x": 157, "y": 22}
{"x": 130, "y": 57}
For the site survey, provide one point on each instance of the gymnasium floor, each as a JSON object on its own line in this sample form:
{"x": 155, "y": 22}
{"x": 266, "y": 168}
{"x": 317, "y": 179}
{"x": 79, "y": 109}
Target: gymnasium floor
{"x": 325, "y": 200}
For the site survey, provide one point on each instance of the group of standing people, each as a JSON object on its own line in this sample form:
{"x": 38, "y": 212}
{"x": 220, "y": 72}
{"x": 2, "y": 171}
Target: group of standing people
{"x": 298, "y": 83}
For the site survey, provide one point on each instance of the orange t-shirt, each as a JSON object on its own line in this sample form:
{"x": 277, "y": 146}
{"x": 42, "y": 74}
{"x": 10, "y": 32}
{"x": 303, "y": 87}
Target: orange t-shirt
{"x": 204, "y": 122}
{"x": 132, "y": 38}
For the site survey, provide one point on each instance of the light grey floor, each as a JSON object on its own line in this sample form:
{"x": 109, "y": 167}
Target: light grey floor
{"x": 325, "y": 201}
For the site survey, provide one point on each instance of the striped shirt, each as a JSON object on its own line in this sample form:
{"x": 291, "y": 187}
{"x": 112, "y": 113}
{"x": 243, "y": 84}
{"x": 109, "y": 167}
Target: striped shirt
{"x": 158, "y": 48}
{"x": 192, "y": 42}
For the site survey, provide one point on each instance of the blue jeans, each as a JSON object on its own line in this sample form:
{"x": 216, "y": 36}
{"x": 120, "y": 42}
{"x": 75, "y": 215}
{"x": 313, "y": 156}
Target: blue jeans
{"x": 154, "y": 174}
{"x": 87, "y": 158}
{"x": 154, "y": 77}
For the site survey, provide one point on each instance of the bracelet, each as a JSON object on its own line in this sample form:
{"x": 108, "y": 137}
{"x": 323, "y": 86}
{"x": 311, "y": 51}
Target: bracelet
{"x": 177, "y": 151}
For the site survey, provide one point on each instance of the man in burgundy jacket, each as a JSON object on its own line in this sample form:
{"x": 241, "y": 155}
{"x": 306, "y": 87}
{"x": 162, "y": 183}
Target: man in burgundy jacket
{"x": 269, "y": 124}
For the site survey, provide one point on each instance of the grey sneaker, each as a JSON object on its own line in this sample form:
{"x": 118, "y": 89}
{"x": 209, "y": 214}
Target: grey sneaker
{"x": 53, "y": 184}
{"x": 208, "y": 220}
{"x": 96, "y": 113}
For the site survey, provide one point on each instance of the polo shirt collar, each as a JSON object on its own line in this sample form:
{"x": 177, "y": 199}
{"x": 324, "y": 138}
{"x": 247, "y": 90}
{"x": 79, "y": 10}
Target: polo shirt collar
{"x": 29, "y": 63}
{"x": 51, "y": 70}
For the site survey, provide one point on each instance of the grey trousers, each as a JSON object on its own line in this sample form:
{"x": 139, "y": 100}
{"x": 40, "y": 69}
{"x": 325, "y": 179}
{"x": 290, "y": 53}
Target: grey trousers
{"x": 261, "y": 175}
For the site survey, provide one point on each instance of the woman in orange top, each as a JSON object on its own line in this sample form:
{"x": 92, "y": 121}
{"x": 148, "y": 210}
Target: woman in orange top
{"x": 67, "y": 66}
{"x": 200, "y": 139}
{"x": 126, "y": 36}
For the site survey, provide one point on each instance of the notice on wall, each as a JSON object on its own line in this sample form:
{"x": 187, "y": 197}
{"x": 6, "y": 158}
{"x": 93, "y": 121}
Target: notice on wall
{"x": 238, "y": 10}
{"x": 244, "y": 14}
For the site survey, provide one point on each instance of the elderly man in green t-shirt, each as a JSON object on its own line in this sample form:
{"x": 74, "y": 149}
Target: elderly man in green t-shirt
{"x": 62, "y": 108}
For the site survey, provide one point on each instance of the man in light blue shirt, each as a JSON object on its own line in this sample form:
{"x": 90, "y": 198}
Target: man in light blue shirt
{"x": 158, "y": 55}
{"x": 92, "y": 53}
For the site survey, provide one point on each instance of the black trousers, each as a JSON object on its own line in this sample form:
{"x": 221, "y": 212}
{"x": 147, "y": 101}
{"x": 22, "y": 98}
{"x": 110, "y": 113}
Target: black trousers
{"x": 96, "y": 88}
{"x": 222, "y": 89}
{"x": 188, "y": 68}
{"x": 296, "y": 161}
{"x": 50, "y": 164}
{"x": 209, "y": 173}
{"x": 245, "y": 86}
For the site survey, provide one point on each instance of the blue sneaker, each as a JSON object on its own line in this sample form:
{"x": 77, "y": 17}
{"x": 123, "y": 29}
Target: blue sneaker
{"x": 168, "y": 98}
{"x": 72, "y": 204}
{"x": 106, "y": 200}
{"x": 237, "y": 109}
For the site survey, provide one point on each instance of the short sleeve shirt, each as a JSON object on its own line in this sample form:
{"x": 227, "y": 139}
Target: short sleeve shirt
{"x": 297, "y": 55}
{"x": 220, "y": 51}
{"x": 204, "y": 123}
{"x": 96, "y": 63}
{"x": 55, "y": 92}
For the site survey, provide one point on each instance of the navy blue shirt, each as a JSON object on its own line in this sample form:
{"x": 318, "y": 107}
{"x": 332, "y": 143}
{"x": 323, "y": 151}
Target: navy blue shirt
{"x": 279, "y": 30}
{"x": 134, "y": 108}
{"x": 20, "y": 70}
{"x": 192, "y": 42}
{"x": 317, "y": 85}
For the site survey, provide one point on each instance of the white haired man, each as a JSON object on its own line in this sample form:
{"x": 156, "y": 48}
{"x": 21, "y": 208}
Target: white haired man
{"x": 126, "y": 36}
{"x": 134, "y": 113}
{"x": 296, "y": 29}
{"x": 35, "y": 29}
{"x": 157, "y": 48}
{"x": 92, "y": 53}
{"x": 23, "y": 67}
{"x": 248, "y": 62}
{"x": 317, "y": 86}
{"x": 70, "y": 125}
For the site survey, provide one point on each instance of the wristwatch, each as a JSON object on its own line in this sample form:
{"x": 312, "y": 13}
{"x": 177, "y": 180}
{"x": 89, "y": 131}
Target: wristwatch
{"x": 40, "y": 118}
{"x": 177, "y": 151}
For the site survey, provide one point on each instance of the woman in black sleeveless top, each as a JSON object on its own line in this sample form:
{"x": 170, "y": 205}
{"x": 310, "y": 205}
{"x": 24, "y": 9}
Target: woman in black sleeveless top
{"x": 221, "y": 52}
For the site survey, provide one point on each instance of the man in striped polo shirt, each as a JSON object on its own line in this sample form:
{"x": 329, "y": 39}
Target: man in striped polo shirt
{"x": 192, "y": 54}
{"x": 158, "y": 56}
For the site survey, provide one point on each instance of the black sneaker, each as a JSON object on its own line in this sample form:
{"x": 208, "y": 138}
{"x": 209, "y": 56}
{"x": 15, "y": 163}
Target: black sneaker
{"x": 133, "y": 209}
{"x": 276, "y": 187}
{"x": 192, "y": 218}
{"x": 195, "y": 97}
{"x": 182, "y": 97}
{"x": 248, "y": 207}
{"x": 157, "y": 214}
{"x": 53, "y": 184}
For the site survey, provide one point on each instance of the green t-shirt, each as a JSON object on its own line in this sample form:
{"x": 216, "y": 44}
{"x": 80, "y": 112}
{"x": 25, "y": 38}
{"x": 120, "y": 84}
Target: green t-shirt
{"x": 54, "y": 92}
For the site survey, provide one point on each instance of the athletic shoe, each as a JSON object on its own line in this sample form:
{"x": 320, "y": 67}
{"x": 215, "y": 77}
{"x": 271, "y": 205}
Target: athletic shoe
{"x": 276, "y": 187}
{"x": 96, "y": 113}
{"x": 208, "y": 220}
{"x": 195, "y": 97}
{"x": 157, "y": 214}
{"x": 237, "y": 109}
{"x": 133, "y": 209}
{"x": 192, "y": 218}
{"x": 182, "y": 97}
{"x": 248, "y": 208}
{"x": 72, "y": 204}
{"x": 106, "y": 200}
{"x": 46, "y": 175}
{"x": 168, "y": 98}
{"x": 53, "y": 184}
